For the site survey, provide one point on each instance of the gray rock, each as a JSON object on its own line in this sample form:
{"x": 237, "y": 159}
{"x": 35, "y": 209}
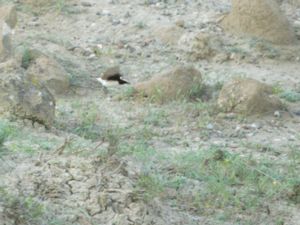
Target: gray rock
{"x": 8, "y": 14}
{"x": 8, "y": 20}
{"x": 45, "y": 70}
{"x": 86, "y": 4}
{"x": 277, "y": 114}
{"x": 24, "y": 100}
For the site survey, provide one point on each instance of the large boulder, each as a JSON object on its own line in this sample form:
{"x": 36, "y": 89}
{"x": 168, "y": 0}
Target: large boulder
{"x": 259, "y": 18}
{"x": 181, "y": 82}
{"x": 248, "y": 96}
{"x": 45, "y": 70}
{"x": 24, "y": 100}
{"x": 8, "y": 21}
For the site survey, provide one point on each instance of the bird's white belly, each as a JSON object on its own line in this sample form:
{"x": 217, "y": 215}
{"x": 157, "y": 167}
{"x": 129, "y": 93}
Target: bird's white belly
{"x": 107, "y": 83}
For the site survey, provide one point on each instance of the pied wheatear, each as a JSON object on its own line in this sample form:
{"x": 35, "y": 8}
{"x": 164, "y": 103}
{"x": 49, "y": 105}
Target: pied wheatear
{"x": 112, "y": 77}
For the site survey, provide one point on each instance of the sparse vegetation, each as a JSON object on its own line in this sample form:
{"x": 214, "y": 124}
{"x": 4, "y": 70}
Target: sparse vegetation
{"x": 6, "y": 130}
{"x": 22, "y": 209}
{"x": 87, "y": 123}
{"x": 141, "y": 25}
{"x": 290, "y": 96}
{"x": 230, "y": 183}
{"x": 60, "y": 5}
{"x": 161, "y": 151}
{"x": 26, "y": 58}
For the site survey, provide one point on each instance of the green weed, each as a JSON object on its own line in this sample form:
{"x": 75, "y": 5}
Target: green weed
{"x": 21, "y": 209}
{"x": 87, "y": 123}
{"x": 141, "y": 150}
{"x": 277, "y": 89}
{"x": 141, "y": 25}
{"x": 290, "y": 96}
{"x": 156, "y": 118}
{"x": 232, "y": 183}
{"x": 151, "y": 185}
{"x": 60, "y": 5}
{"x": 26, "y": 58}
{"x": 6, "y": 131}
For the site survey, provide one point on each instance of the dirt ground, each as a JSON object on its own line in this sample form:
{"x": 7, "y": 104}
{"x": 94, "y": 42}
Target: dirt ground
{"x": 110, "y": 159}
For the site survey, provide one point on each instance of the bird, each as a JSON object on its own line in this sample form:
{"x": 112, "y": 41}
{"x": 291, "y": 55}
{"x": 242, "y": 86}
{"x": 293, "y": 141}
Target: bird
{"x": 112, "y": 77}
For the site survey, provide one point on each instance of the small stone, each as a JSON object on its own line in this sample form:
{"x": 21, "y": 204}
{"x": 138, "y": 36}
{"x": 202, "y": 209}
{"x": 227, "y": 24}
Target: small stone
{"x": 210, "y": 126}
{"x": 250, "y": 135}
{"x": 116, "y": 22}
{"x": 237, "y": 128}
{"x": 297, "y": 112}
{"x": 277, "y": 114}
{"x": 86, "y": 4}
{"x": 180, "y": 23}
{"x": 127, "y": 15}
{"x": 105, "y": 12}
{"x": 256, "y": 125}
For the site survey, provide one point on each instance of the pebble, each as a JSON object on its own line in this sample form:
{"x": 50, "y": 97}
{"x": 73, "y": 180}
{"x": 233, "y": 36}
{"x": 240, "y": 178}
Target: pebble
{"x": 210, "y": 126}
{"x": 116, "y": 22}
{"x": 256, "y": 125}
{"x": 86, "y": 4}
{"x": 180, "y": 23}
{"x": 297, "y": 23}
{"x": 277, "y": 114}
{"x": 127, "y": 15}
{"x": 297, "y": 112}
{"x": 250, "y": 135}
{"x": 292, "y": 138}
{"x": 34, "y": 24}
{"x": 104, "y": 12}
{"x": 238, "y": 128}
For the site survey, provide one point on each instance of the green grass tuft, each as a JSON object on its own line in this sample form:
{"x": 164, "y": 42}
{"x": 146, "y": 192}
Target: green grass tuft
{"x": 21, "y": 209}
{"x": 290, "y": 96}
{"x": 6, "y": 131}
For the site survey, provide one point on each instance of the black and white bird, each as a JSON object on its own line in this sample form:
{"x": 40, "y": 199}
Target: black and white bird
{"x": 112, "y": 77}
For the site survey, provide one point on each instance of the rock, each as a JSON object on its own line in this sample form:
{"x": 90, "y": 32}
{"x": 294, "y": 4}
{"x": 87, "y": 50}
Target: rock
{"x": 8, "y": 21}
{"x": 8, "y": 14}
{"x": 182, "y": 82}
{"x": 259, "y": 18}
{"x": 36, "y": 3}
{"x": 210, "y": 126}
{"x": 248, "y": 96}
{"x": 180, "y": 23}
{"x": 86, "y": 4}
{"x": 45, "y": 70}
{"x": 9, "y": 66}
{"x": 200, "y": 46}
{"x": 168, "y": 35}
{"x": 294, "y": 2}
{"x": 277, "y": 114}
{"x": 25, "y": 100}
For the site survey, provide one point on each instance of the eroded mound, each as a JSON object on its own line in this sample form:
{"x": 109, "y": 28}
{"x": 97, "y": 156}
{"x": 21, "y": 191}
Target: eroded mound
{"x": 248, "y": 96}
{"x": 261, "y": 19}
{"x": 178, "y": 83}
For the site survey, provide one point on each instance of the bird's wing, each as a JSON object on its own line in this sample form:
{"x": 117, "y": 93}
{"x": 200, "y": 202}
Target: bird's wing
{"x": 116, "y": 77}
